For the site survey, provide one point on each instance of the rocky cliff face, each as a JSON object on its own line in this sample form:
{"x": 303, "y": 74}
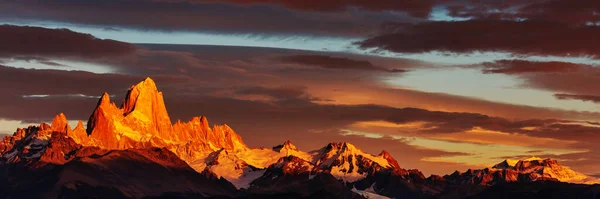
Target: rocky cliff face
{"x": 142, "y": 121}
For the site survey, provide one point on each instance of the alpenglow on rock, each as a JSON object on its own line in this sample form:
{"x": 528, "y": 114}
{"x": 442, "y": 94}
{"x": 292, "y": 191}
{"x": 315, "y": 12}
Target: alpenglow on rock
{"x": 142, "y": 121}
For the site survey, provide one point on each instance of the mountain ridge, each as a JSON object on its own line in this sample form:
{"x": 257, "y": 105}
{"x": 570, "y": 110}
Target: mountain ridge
{"x": 142, "y": 123}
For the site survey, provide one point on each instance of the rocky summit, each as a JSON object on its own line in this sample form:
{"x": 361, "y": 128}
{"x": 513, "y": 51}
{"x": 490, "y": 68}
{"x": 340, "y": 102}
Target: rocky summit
{"x": 135, "y": 151}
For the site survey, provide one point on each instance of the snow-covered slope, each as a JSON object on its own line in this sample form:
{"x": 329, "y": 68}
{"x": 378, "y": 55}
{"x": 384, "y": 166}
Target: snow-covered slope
{"x": 530, "y": 169}
{"x": 235, "y": 170}
{"x": 369, "y": 195}
{"x": 551, "y": 168}
{"x": 348, "y": 163}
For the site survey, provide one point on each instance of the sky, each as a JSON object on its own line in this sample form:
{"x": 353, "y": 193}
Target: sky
{"x": 441, "y": 85}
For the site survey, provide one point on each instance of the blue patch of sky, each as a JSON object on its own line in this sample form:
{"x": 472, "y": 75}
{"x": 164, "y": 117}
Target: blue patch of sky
{"x": 441, "y": 13}
{"x": 492, "y": 87}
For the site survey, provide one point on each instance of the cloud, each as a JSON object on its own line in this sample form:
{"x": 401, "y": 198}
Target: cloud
{"x": 31, "y": 59}
{"x": 522, "y": 38}
{"x": 581, "y": 11}
{"x": 420, "y": 8}
{"x": 323, "y": 115}
{"x": 575, "y": 83}
{"x": 575, "y": 12}
{"x": 261, "y": 123}
{"x": 36, "y": 41}
{"x": 220, "y": 71}
{"x": 523, "y": 66}
{"x": 329, "y": 62}
{"x": 284, "y": 93}
{"x": 51, "y": 63}
{"x": 587, "y": 98}
{"x": 308, "y": 104}
{"x": 553, "y": 76}
{"x": 199, "y": 80}
{"x": 292, "y": 103}
{"x": 351, "y": 94}
{"x": 18, "y": 82}
{"x": 65, "y": 91}
{"x": 211, "y": 16}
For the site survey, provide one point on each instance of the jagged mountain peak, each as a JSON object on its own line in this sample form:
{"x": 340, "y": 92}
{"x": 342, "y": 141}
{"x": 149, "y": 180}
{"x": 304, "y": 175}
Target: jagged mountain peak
{"x": 79, "y": 125}
{"x": 292, "y": 165}
{"x": 198, "y": 121}
{"x": 531, "y": 169}
{"x": 523, "y": 164}
{"x": 147, "y": 83}
{"x": 286, "y": 146}
{"x": 60, "y": 123}
{"x": 144, "y": 106}
{"x": 349, "y": 163}
{"x": 347, "y": 146}
{"x": 534, "y": 158}
{"x": 225, "y": 137}
{"x": 505, "y": 164}
{"x": 550, "y": 168}
{"x": 78, "y": 134}
{"x": 143, "y": 116}
{"x": 104, "y": 99}
{"x": 343, "y": 147}
{"x": 385, "y": 155}
{"x": 143, "y": 121}
{"x": 29, "y": 144}
{"x": 43, "y": 126}
{"x": 519, "y": 164}
{"x": 143, "y": 97}
{"x": 103, "y": 109}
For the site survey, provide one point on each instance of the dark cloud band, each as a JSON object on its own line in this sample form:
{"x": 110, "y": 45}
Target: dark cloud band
{"x": 36, "y": 41}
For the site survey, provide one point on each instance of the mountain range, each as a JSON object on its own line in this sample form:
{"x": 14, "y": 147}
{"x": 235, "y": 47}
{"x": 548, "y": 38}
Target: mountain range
{"x": 135, "y": 151}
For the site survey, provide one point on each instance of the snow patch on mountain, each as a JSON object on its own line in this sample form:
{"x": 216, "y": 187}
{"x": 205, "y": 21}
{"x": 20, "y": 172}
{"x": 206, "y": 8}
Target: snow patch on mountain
{"x": 368, "y": 194}
{"x": 259, "y": 158}
{"x": 232, "y": 168}
{"x": 346, "y": 162}
{"x": 545, "y": 168}
{"x": 346, "y": 173}
{"x": 240, "y": 178}
{"x": 287, "y": 149}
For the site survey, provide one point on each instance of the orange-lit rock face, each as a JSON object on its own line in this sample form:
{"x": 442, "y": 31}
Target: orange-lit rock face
{"x": 101, "y": 128}
{"x": 144, "y": 111}
{"x": 78, "y": 134}
{"x": 390, "y": 159}
{"x": 59, "y": 124}
{"x": 143, "y": 121}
